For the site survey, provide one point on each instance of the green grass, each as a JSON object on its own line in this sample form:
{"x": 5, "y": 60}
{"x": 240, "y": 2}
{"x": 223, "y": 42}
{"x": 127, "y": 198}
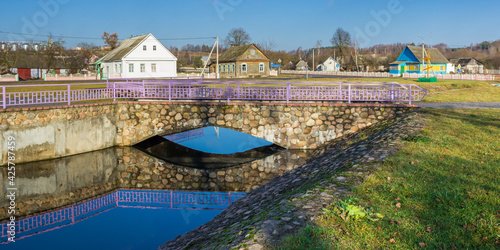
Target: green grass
{"x": 479, "y": 94}
{"x": 447, "y": 184}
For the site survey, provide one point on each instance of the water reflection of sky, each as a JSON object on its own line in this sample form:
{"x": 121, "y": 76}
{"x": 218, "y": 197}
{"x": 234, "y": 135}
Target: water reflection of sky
{"x": 119, "y": 228}
{"x": 227, "y": 142}
{"x": 124, "y": 219}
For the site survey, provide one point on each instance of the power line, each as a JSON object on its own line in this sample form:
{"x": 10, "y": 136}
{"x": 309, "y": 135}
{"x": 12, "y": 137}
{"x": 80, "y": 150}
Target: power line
{"x": 93, "y": 38}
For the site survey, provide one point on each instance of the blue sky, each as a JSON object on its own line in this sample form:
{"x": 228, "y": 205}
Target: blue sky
{"x": 291, "y": 24}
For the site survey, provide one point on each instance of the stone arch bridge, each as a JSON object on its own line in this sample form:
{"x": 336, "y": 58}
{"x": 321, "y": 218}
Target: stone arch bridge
{"x": 52, "y": 132}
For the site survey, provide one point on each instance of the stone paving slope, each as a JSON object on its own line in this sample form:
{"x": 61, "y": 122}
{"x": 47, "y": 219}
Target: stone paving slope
{"x": 461, "y": 105}
{"x": 285, "y": 205}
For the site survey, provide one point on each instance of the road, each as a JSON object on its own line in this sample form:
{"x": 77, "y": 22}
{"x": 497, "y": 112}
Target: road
{"x": 461, "y": 105}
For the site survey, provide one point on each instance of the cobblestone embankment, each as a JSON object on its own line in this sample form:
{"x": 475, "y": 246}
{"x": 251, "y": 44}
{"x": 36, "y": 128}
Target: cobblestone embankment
{"x": 287, "y": 203}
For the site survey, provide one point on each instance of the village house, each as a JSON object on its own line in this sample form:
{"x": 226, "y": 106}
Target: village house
{"x": 138, "y": 57}
{"x": 301, "y": 65}
{"x": 329, "y": 64}
{"x": 468, "y": 65}
{"x": 410, "y": 61}
{"x": 242, "y": 61}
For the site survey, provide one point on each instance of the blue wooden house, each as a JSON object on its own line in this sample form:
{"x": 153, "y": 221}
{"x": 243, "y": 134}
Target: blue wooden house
{"x": 410, "y": 61}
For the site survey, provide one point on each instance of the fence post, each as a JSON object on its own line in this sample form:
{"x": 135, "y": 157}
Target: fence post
{"x": 69, "y": 94}
{"x": 410, "y": 93}
{"x": 4, "y": 98}
{"x": 349, "y": 92}
{"x": 228, "y": 93}
{"x": 114, "y": 91}
{"x": 287, "y": 93}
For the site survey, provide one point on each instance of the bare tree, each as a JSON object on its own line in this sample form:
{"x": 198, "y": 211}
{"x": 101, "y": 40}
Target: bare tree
{"x": 267, "y": 46}
{"x": 318, "y": 45}
{"x": 341, "y": 40}
{"x": 110, "y": 39}
{"x": 53, "y": 49}
{"x": 237, "y": 37}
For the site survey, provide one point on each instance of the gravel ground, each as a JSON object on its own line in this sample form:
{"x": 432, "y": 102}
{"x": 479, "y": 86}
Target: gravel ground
{"x": 461, "y": 105}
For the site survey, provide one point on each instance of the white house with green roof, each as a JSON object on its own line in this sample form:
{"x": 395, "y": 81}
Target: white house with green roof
{"x": 139, "y": 57}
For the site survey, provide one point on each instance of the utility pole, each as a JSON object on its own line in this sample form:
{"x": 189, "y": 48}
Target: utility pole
{"x": 423, "y": 54}
{"x": 217, "y": 62}
{"x": 313, "y": 61}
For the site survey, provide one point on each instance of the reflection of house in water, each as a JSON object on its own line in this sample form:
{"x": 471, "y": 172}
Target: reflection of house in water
{"x": 50, "y": 184}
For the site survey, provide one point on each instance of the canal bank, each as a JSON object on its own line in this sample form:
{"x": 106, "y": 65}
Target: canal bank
{"x": 289, "y": 202}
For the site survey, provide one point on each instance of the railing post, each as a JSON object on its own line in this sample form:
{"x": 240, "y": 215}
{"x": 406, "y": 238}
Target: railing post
{"x": 4, "y": 98}
{"x": 349, "y": 92}
{"x": 392, "y": 92}
{"x": 239, "y": 92}
{"x": 69, "y": 94}
{"x": 287, "y": 93}
{"x": 340, "y": 91}
{"x": 189, "y": 90}
{"x": 170, "y": 91}
{"x": 410, "y": 94}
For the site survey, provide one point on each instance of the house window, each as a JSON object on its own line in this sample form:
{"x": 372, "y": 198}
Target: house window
{"x": 143, "y": 67}
{"x": 219, "y": 67}
{"x": 131, "y": 68}
{"x": 153, "y": 67}
{"x": 223, "y": 68}
{"x": 233, "y": 68}
{"x": 116, "y": 68}
{"x": 143, "y": 47}
{"x": 243, "y": 67}
{"x": 261, "y": 67}
{"x": 442, "y": 67}
{"x": 154, "y": 47}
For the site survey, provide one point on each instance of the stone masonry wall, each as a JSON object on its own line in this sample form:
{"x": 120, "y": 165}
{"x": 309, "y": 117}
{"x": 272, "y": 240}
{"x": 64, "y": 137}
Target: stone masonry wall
{"x": 295, "y": 126}
{"x": 51, "y": 132}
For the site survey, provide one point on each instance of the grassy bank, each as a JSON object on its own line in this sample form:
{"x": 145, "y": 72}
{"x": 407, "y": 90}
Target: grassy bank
{"x": 441, "y": 190}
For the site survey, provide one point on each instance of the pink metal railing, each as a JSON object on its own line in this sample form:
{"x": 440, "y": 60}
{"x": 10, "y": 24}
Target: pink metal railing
{"x": 197, "y": 90}
{"x": 121, "y": 198}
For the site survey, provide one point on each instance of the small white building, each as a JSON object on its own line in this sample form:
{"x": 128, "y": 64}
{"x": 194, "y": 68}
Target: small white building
{"x": 139, "y": 57}
{"x": 330, "y": 64}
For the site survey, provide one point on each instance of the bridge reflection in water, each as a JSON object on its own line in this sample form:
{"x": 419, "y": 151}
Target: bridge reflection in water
{"x": 142, "y": 199}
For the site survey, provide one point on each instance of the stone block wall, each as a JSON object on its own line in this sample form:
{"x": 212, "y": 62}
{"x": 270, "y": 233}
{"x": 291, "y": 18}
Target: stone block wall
{"x": 51, "y": 132}
{"x": 296, "y": 126}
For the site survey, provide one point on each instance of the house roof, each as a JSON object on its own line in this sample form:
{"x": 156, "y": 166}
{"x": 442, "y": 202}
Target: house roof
{"x": 433, "y": 52}
{"x": 39, "y": 62}
{"x": 301, "y": 63}
{"x": 123, "y": 49}
{"x": 233, "y": 53}
{"x": 397, "y": 62}
{"x": 464, "y": 61}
